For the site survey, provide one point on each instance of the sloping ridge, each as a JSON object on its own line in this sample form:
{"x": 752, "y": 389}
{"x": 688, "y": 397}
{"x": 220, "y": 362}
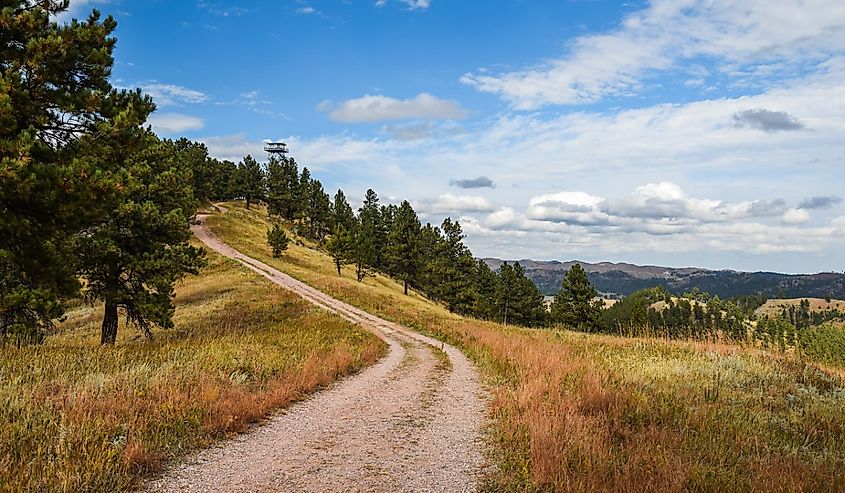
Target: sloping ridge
{"x": 411, "y": 422}
{"x": 626, "y": 278}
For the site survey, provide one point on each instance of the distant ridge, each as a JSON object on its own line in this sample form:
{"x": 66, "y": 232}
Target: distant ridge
{"x": 624, "y": 278}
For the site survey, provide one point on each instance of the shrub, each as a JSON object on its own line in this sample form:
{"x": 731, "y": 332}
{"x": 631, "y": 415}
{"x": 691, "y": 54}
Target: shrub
{"x": 825, "y": 343}
{"x": 277, "y": 239}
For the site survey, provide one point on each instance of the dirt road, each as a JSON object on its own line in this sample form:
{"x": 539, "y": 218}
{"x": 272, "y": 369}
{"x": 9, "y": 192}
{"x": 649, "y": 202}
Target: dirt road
{"x": 411, "y": 422}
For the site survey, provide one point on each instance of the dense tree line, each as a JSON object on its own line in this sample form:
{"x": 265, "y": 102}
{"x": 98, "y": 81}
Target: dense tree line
{"x": 92, "y": 202}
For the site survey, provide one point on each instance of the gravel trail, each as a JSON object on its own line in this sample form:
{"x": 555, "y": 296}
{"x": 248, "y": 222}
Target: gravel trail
{"x": 411, "y": 422}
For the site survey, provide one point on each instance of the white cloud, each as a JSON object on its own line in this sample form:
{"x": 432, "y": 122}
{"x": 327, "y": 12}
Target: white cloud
{"x": 174, "y": 123}
{"x": 305, "y": 10}
{"x": 795, "y": 216}
{"x": 750, "y": 39}
{"x": 79, "y": 9}
{"x": 563, "y": 218}
{"x": 232, "y": 147}
{"x": 449, "y": 203}
{"x": 412, "y": 4}
{"x": 381, "y": 108}
{"x": 708, "y": 188}
{"x": 172, "y": 94}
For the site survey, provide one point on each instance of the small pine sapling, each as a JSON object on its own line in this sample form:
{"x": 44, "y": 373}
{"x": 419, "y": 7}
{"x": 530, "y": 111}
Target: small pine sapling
{"x": 278, "y": 240}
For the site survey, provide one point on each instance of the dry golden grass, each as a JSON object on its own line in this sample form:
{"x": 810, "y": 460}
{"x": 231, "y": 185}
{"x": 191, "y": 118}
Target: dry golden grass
{"x": 773, "y": 307}
{"x": 75, "y": 416}
{"x": 579, "y": 412}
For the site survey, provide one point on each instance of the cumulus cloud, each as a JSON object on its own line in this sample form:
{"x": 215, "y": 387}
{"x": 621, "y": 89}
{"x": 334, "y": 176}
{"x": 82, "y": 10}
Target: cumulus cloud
{"x": 581, "y": 222}
{"x": 654, "y": 208}
{"x": 825, "y": 202}
{"x": 369, "y": 109}
{"x": 795, "y": 216}
{"x": 448, "y": 203}
{"x": 480, "y": 182}
{"x": 174, "y": 123}
{"x": 749, "y": 39}
{"x": 768, "y": 121}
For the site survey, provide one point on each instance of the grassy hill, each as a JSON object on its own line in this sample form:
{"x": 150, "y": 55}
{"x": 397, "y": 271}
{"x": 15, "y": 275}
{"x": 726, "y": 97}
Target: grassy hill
{"x": 575, "y": 412}
{"x": 75, "y": 416}
{"x": 774, "y": 307}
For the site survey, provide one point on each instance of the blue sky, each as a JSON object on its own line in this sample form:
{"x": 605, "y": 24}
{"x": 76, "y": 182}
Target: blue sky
{"x": 686, "y": 132}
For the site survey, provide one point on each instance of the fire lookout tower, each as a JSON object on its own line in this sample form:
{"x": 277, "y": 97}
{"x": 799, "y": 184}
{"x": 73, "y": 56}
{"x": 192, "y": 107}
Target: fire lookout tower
{"x": 276, "y": 148}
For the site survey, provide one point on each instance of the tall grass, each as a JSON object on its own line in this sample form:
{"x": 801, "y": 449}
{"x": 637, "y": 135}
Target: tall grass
{"x": 579, "y": 412}
{"x": 75, "y": 416}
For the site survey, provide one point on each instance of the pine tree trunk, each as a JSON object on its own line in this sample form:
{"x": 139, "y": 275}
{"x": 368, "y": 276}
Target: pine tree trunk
{"x": 337, "y": 264}
{"x": 406, "y": 288}
{"x": 109, "y": 330}
{"x": 247, "y": 203}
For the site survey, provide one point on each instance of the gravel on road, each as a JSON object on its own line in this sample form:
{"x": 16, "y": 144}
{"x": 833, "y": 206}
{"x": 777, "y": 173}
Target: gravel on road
{"x": 411, "y": 422}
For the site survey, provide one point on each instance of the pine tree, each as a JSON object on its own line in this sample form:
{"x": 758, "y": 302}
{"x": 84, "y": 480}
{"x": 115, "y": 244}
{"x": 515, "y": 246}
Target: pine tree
{"x": 340, "y": 246}
{"x": 134, "y": 257}
{"x": 575, "y": 305}
{"x": 278, "y": 192}
{"x": 370, "y": 237}
{"x": 402, "y": 251}
{"x": 291, "y": 201}
{"x": 195, "y": 157}
{"x": 54, "y": 89}
{"x": 277, "y": 239}
{"x": 517, "y": 299}
{"x": 252, "y": 180}
{"x": 486, "y": 282}
{"x": 321, "y": 211}
{"x": 429, "y": 247}
{"x": 342, "y": 212}
{"x": 223, "y": 172}
{"x": 362, "y": 251}
{"x": 452, "y": 270}
{"x": 303, "y": 207}
{"x": 505, "y": 292}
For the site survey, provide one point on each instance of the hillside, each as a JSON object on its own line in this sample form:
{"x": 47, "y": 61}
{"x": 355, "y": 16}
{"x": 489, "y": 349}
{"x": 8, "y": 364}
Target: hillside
{"x": 585, "y": 412}
{"x": 774, "y": 307}
{"x": 625, "y": 278}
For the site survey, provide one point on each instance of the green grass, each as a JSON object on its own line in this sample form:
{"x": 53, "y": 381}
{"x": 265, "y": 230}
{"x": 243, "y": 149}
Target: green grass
{"x": 75, "y": 416}
{"x": 579, "y": 412}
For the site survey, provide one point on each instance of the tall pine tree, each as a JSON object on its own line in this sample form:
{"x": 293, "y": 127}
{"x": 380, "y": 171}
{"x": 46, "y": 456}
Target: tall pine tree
{"x": 453, "y": 268}
{"x": 278, "y": 191}
{"x": 134, "y": 257}
{"x": 402, "y": 252}
{"x": 342, "y": 212}
{"x": 54, "y": 89}
{"x": 575, "y": 305}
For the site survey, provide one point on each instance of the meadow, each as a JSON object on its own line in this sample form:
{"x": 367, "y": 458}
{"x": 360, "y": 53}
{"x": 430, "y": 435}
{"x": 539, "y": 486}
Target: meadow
{"x": 75, "y": 416}
{"x": 581, "y": 412}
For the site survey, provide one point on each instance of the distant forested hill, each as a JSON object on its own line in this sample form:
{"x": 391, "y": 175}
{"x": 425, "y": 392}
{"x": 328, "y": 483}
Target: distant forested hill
{"x": 626, "y": 278}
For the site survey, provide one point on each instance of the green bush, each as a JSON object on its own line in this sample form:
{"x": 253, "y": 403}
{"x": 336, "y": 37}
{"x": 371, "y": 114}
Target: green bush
{"x": 278, "y": 240}
{"x": 824, "y": 343}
